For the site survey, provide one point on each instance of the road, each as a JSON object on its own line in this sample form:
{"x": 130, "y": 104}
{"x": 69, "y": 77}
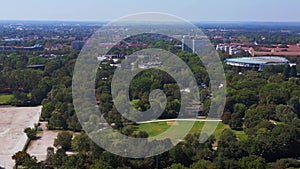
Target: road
{"x": 166, "y": 120}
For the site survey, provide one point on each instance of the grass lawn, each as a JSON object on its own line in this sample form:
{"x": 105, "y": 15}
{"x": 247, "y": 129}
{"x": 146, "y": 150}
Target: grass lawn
{"x": 154, "y": 129}
{"x": 135, "y": 102}
{"x": 241, "y": 135}
{"x": 4, "y": 98}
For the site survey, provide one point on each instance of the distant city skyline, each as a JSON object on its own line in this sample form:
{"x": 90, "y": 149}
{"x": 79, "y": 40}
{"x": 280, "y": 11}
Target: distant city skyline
{"x": 192, "y": 10}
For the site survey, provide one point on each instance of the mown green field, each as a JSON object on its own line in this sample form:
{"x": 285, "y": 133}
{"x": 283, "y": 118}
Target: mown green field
{"x": 154, "y": 129}
{"x": 5, "y": 98}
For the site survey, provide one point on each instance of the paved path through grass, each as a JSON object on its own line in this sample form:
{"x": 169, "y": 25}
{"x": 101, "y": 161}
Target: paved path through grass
{"x": 167, "y": 120}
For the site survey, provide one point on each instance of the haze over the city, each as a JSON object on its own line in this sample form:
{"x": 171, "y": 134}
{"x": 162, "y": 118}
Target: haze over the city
{"x": 192, "y": 10}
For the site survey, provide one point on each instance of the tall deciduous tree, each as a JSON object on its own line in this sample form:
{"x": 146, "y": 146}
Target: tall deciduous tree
{"x": 64, "y": 140}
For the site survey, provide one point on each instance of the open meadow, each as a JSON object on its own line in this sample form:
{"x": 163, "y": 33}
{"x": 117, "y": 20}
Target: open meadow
{"x": 157, "y": 128}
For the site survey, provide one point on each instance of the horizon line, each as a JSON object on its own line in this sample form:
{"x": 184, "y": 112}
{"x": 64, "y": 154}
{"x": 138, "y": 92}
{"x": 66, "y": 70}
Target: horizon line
{"x": 107, "y": 21}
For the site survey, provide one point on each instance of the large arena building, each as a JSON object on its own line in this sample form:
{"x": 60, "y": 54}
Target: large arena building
{"x": 257, "y": 62}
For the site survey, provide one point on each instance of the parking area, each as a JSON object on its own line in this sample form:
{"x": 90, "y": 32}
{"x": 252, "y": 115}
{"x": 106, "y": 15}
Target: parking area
{"x": 38, "y": 148}
{"x": 13, "y": 121}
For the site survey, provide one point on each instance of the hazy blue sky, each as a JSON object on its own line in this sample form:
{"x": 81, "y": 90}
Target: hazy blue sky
{"x": 192, "y": 10}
